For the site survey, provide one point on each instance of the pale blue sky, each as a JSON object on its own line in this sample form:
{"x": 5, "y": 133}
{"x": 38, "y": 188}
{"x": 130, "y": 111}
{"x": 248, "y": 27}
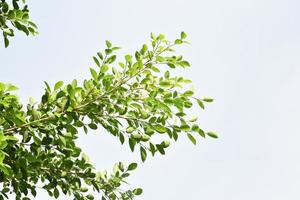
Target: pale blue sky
{"x": 243, "y": 53}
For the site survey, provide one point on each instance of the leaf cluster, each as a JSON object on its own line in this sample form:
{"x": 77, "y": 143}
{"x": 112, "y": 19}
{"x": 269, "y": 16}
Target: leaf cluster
{"x": 137, "y": 100}
{"x": 14, "y": 15}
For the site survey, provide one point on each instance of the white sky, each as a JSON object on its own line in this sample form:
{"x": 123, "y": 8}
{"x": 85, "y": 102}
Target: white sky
{"x": 243, "y": 53}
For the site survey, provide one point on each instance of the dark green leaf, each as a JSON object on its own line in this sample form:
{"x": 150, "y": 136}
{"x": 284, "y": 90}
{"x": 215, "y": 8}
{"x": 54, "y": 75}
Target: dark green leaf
{"x": 132, "y": 166}
{"x": 191, "y": 138}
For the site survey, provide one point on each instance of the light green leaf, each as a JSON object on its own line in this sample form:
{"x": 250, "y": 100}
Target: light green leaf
{"x": 130, "y": 129}
{"x": 160, "y": 128}
{"x": 58, "y": 85}
{"x": 188, "y": 93}
{"x": 94, "y": 74}
{"x": 183, "y": 35}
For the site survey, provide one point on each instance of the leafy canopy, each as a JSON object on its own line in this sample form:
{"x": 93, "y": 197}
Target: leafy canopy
{"x": 136, "y": 100}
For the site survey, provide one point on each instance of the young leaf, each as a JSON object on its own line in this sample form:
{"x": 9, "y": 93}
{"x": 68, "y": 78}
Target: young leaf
{"x": 58, "y": 85}
{"x": 183, "y": 35}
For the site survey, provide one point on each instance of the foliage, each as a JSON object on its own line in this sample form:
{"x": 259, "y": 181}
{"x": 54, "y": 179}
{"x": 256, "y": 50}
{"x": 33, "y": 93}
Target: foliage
{"x": 136, "y": 100}
{"x": 15, "y": 15}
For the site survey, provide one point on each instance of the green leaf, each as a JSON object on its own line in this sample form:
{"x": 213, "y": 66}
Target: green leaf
{"x": 152, "y": 148}
{"x": 96, "y": 61}
{"x": 191, "y": 138}
{"x": 4, "y": 169}
{"x": 58, "y": 85}
{"x": 130, "y": 129}
{"x": 208, "y": 99}
{"x": 108, "y": 51}
{"x": 25, "y": 17}
{"x": 104, "y": 68}
{"x": 100, "y": 55}
{"x": 5, "y": 7}
{"x": 143, "y": 154}
{"x": 6, "y": 42}
{"x": 183, "y": 35}
{"x": 132, "y": 166}
{"x": 12, "y": 138}
{"x": 132, "y": 144}
{"x": 165, "y": 84}
{"x": 200, "y": 103}
{"x": 94, "y": 74}
{"x": 108, "y": 44}
{"x": 165, "y": 144}
{"x": 137, "y": 136}
{"x": 56, "y": 193}
{"x": 160, "y": 148}
{"x": 184, "y": 63}
{"x": 10, "y": 87}
{"x": 84, "y": 189}
{"x": 138, "y": 191}
{"x": 11, "y": 14}
{"x": 111, "y": 59}
{"x": 188, "y": 93}
{"x": 128, "y": 58}
{"x": 167, "y": 74}
{"x": 90, "y": 197}
{"x": 47, "y": 87}
{"x": 155, "y": 69}
{"x": 36, "y": 140}
{"x": 171, "y": 65}
{"x": 93, "y": 126}
{"x": 63, "y": 140}
{"x": 193, "y": 119}
{"x": 144, "y": 49}
{"x": 178, "y": 41}
{"x": 160, "y": 128}
{"x": 212, "y": 134}
{"x": 185, "y": 127}
{"x": 145, "y": 138}
{"x": 201, "y": 132}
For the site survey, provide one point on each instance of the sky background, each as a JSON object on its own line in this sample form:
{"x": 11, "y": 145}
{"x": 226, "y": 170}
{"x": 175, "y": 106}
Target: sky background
{"x": 243, "y": 53}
